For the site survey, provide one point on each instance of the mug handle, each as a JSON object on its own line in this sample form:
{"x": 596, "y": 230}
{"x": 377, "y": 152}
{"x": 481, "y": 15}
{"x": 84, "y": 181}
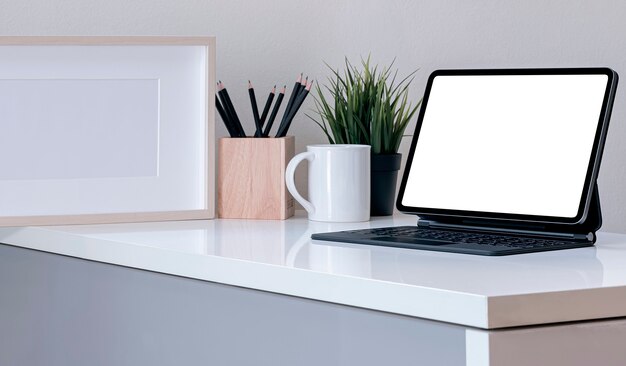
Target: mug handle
{"x": 290, "y": 181}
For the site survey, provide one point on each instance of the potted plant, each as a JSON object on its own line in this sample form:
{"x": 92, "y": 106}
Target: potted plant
{"x": 369, "y": 106}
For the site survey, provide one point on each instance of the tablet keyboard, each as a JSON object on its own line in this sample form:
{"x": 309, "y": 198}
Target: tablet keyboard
{"x": 465, "y": 237}
{"x": 469, "y": 242}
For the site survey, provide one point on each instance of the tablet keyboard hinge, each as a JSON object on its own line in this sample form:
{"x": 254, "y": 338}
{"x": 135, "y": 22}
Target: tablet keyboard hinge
{"x": 489, "y": 229}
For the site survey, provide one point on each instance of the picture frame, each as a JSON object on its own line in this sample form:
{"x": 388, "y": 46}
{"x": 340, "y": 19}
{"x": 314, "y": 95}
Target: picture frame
{"x": 106, "y": 129}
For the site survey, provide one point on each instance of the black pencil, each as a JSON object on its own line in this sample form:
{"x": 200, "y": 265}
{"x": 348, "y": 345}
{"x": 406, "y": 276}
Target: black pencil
{"x": 228, "y": 104}
{"x": 292, "y": 97}
{"x": 266, "y": 109}
{"x": 282, "y": 132}
{"x": 303, "y": 86}
{"x": 224, "y": 116}
{"x": 270, "y": 121}
{"x": 227, "y": 112}
{"x": 298, "y": 91}
{"x": 255, "y": 110}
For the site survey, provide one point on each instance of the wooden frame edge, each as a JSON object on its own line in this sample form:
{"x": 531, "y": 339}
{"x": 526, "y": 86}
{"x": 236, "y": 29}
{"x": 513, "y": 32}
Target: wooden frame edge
{"x": 107, "y": 40}
{"x": 106, "y": 218}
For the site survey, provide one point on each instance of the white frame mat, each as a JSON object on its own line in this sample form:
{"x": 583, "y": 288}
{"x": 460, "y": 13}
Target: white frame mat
{"x": 106, "y": 129}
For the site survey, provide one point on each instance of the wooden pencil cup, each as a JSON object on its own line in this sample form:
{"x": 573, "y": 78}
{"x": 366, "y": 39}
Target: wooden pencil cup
{"x": 251, "y": 178}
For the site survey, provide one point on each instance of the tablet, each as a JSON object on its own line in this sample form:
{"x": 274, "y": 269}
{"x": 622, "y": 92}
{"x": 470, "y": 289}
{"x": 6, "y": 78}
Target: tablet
{"x": 509, "y": 144}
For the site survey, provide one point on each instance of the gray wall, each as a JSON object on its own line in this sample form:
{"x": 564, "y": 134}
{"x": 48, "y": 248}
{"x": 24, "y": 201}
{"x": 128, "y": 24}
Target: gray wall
{"x": 270, "y": 42}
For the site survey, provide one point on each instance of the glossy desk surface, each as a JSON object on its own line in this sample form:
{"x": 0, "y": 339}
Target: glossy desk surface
{"x": 279, "y": 256}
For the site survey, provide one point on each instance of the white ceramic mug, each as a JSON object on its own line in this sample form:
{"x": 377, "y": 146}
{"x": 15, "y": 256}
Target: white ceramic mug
{"x": 339, "y": 182}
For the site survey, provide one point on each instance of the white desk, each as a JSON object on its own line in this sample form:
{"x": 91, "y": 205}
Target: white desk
{"x": 498, "y": 302}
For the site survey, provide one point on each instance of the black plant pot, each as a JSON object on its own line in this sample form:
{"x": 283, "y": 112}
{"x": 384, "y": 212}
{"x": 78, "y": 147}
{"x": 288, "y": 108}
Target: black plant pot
{"x": 385, "y": 169}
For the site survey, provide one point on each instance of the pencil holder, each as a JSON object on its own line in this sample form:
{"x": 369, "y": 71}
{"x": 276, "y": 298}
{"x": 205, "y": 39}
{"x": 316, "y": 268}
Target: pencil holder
{"x": 251, "y": 178}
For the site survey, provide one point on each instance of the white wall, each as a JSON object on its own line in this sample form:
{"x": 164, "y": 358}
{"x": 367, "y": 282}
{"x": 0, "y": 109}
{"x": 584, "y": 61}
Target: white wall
{"x": 272, "y": 41}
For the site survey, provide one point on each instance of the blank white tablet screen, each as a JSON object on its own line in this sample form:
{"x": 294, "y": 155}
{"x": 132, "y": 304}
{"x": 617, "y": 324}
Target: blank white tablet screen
{"x": 517, "y": 144}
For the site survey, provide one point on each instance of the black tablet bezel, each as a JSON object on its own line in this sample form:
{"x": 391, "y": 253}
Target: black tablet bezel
{"x": 594, "y": 160}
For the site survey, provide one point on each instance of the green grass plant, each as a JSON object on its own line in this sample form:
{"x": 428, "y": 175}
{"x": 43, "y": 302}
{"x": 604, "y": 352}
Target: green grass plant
{"x": 366, "y": 105}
